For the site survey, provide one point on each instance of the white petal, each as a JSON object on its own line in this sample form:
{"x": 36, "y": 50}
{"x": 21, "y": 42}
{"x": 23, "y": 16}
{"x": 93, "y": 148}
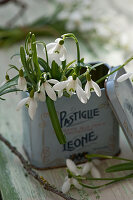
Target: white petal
{"x": 50, "y": 91}
{"x": 50, "y": 47}
{"x": 87, "y": 90}
{"x": 60, "y": 86}
{"x": 71, "y": 166}
{"x": 86, "y": 168}
{"x": 22, "y": 103}
{"x": 58, "y": 40}
{"x": 124, "y": 77}
{"x": 76, "y": 184}
{"x": 95, "y": 172}
{"x": 66, "y": 186}
{"x": 60, "y": 93}
{"x": 53, "y": 81}
{"x": 40, "y": 96}
{"x": 81, "y": 94}
{"x": 79, "y": 82}
{"x": 63, "y": 54}
{"x": 32, "y": 108}
{"x": 96, "y": 88}
{"x": 22, "y": 84}
{"x": 71, "y": 85}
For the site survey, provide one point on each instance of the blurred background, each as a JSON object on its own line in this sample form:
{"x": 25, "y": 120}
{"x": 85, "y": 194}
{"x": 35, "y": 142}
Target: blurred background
{"x": 104, "y": 27}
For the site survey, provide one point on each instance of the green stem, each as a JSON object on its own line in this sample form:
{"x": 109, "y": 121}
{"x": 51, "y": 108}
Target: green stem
{"x": 103, "y": 185}
{"x": 43, "y": 43}
{"x": 103, "y": 179}
{"x": 71, "y": 35}
{"x": 55, "y": 121}
{"x": 121, "y": 66}
{"x": 106, "y": 157}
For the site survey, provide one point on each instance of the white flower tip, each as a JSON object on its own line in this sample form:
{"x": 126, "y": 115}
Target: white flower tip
{"x": 66, "y": 186}
{"x": 95, "y": 172}
{"x": 71, "y": 166}
{"x": 124, "y": 77}
{"x": 86, "y": 168}
{"x": 76, "y": 184}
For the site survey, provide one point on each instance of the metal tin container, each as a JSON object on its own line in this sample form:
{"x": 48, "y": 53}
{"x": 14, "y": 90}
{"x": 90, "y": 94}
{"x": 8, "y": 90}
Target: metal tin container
{"x": 120, "y": 96}
{"x": 89, "y": 128}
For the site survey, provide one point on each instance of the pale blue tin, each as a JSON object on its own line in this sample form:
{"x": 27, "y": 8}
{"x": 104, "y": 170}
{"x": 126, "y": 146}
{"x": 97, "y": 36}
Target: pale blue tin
{"x": 89, "y": 128}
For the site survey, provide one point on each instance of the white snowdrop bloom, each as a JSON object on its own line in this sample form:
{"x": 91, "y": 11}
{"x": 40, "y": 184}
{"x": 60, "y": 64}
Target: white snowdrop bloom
{"x": 31, "y": 102}
{"x": 124, "y": 77}
{"x": 40, "y": 96}
{"x": 57, "y": 51}
{"x": 66, "y": 185}
{"x": 72, "y": 167}
{"x": 48, "y": 89}
{"x": 94, "y": 171}
{"x": 72, "y": 86}
{"x": 22, "y": 84}
{"x": 85, "y": 169}
{"x": 92, "y": 85}
{"x": 68, "y": 182}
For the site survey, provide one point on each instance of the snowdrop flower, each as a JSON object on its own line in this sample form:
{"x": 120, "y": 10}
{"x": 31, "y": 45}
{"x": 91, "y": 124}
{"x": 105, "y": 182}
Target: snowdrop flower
{"x": 5, "y": 81}
{"x": 82, "y": 170}
{"x": 31, "y": 102}
{"x": 91, "y": 85}
{"x": 22, "y": 84}
{"x": 48, "y": 89}
{"x": 94, "y": 171}
{"x": 56, "y": 51}
{"x": 68, "y": 182}
{"x": 72, "y": 85}
{"x": 40, "y": 95}
{"x": 124, "y": 77}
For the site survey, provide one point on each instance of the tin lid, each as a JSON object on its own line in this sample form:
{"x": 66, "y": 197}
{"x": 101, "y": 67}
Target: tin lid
{"x": 120, "y": 96}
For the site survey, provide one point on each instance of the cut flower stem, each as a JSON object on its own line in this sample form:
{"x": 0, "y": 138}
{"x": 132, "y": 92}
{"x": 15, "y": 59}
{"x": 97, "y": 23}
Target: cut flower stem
{"x": 55, "y": 120}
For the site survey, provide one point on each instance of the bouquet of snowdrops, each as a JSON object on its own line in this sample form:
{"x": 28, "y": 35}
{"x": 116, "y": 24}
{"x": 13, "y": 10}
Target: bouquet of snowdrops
{"x": 51, "y": 77}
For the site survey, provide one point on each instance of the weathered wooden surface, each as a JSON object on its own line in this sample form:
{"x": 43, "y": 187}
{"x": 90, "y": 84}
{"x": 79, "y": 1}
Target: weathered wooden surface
{"x": 14, "y": 185}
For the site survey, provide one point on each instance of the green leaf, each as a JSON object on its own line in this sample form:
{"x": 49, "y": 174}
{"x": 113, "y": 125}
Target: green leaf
{"x": 23, "y": 57}
{"x": 55, "y": 121}
{"x": 106, "y": 157}
{"x": 13, "y": 67}
{"x": 27, "y": 40}
{"x": 34, "y": 56}
{"x": 9, "y": 84}
{"x": 26, "y": 67}
{"x": 9, "y": 91}
{"x": 55, "y": 71}
{"x": 63, "y": 64}
{"x": 120, "y": 167}
{"x": 43, "y": 63}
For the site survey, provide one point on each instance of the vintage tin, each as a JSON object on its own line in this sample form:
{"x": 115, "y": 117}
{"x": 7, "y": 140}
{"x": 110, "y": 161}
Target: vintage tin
{"x": 89, "y": 128}
{"x": 120, "y": 96}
